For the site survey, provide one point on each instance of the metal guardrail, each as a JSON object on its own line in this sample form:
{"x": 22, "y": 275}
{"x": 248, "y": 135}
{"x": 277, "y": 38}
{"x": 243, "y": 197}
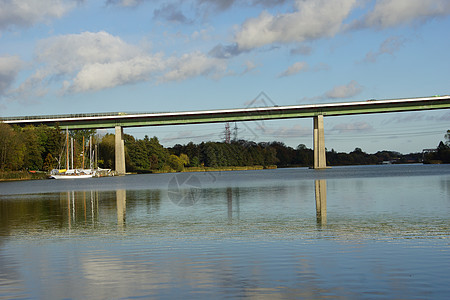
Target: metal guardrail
{"x": 82, "y": 115}
{"x": 128, "y": 119}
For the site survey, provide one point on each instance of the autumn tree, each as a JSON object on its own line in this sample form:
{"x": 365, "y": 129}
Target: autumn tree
{"x": 12, "y": 149}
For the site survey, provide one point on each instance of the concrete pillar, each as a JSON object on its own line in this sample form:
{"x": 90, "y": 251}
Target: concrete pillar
{"x": 121, "y": 198}
{"x": 320, "y": 161}
{"x": 321, "y": 201}
{"x": 120, "y": 151}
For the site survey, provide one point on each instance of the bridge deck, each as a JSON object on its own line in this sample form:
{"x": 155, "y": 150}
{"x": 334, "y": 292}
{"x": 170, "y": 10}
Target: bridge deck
{"x": 109, "y": 120}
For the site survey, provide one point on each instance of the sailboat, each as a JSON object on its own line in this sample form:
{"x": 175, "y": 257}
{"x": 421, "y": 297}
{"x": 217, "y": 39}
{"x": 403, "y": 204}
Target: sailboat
{"x": 73, "y": 173}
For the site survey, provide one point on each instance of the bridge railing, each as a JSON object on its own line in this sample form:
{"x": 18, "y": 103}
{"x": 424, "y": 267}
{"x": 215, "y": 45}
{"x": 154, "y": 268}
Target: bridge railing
{"x": 65, "y": 116}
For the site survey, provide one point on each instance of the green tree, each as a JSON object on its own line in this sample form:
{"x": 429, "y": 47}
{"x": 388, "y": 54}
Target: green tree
{"x": 107, "y": 152}
{"x": 34, "y": 149}
{"x": 175, "y": 163}
{"x": 49, "y": 163}
{"x": 53, "y": 140}
{"x": 12, "y": 149}
{"x": 184, "y": 159}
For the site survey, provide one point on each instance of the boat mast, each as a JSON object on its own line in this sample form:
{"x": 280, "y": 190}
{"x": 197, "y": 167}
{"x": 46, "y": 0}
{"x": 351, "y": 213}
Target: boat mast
{"x": 90, "y": 152}
{"x": 71, "y": 142}
{"x": 82, "y": 152}
{"x": 67, "y": 148}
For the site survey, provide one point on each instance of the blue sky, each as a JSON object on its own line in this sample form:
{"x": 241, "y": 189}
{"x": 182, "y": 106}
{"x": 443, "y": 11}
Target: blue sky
{"x": 61, "y": 56}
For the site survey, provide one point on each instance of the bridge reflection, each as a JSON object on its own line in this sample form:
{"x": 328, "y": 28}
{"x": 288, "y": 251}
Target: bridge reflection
{"x": 114, "y": 210}
{"x": 121, "y": 200}
{"x": 83, "y": 207}
{"x": 321, "y": 201}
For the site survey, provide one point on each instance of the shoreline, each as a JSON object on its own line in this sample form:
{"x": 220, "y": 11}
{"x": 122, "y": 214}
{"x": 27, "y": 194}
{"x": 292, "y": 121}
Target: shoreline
{"x": 7, "y": 176}
{"x": 39, "y": 175}
{"x": 22, "y": 175}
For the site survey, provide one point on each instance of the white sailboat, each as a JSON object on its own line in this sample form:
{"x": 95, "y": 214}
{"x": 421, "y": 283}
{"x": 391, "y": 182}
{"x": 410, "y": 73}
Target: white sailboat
{"x": 73, "y": 173}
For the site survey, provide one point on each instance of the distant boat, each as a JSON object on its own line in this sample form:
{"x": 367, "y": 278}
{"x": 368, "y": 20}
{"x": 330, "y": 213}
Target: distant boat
{"x": 72, "y": 174}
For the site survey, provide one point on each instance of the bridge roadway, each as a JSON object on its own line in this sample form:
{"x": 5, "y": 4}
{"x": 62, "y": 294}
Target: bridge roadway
{"x": 316, "y": 111}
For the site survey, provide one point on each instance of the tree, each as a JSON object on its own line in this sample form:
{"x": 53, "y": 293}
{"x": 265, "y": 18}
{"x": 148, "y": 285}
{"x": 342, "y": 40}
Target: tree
{"x": 33, "y": 159}
{"x": 443, "y": 153}
{"x": 49, "y": 163}
{"x": 53, "y": 141}
{"x": 107, "y": 151}
{"x": 12, "y": 149}
{"x": 184, "y": 159}
{"x": 175, "y": 163}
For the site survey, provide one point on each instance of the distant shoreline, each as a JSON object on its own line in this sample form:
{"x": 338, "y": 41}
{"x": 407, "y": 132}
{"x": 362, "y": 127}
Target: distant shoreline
{"x": 6, "y": 176}
{"x": 39, "y": 175}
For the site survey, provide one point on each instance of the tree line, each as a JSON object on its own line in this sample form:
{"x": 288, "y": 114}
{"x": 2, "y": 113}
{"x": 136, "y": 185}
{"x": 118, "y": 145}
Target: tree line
{"x": 40, "y": 148}
{"x": 44, "y": 148}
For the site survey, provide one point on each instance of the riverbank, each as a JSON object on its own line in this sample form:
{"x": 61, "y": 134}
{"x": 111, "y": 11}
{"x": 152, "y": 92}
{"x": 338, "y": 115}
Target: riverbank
{"x": 206, "y": 169}
{"x": 36, "y": 175}
{"x": 22, "y": 175}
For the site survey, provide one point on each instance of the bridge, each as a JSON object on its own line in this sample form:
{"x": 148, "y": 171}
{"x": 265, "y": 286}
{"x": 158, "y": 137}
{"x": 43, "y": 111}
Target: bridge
{"x": 316, "y": 111}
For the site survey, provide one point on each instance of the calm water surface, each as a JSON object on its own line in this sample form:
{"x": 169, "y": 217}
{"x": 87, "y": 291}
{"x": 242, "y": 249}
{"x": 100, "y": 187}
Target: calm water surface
{"x": 346, "y": 232}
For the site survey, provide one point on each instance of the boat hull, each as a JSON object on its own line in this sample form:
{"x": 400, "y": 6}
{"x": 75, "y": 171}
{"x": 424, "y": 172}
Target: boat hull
{"x": 71, "y": 176}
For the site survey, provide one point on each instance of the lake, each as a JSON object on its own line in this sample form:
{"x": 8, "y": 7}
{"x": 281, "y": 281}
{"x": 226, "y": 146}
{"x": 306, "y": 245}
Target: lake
{"x": 360, "y": 232}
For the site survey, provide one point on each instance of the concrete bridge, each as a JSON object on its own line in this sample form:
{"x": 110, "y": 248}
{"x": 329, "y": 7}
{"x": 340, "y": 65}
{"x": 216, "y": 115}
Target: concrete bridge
{"x": 317, "y": 112}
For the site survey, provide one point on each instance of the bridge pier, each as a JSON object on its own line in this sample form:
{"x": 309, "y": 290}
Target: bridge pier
{"x": 320, "y": 160}
{"x": 321, "y": 201}
{"x": 120, "y": 151}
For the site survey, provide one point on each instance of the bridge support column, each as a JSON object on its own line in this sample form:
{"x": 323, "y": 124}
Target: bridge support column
{"x": 321, "y": 201}
{"x": 320, "y": 161}
{"x": 120, "y": 151}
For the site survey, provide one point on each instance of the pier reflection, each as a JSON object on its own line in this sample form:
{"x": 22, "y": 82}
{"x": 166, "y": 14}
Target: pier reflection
{"x": 83, "y": 207}
{"x": 232, "y": 199}
{"x": 115, "y": 209}
{"x": 121, "y": 199}
{"x": 108, "y": 208}
{"x": 320, "y": 195}
{"x": 321, "y": 201}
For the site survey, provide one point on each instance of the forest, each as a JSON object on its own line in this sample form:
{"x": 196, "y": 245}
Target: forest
{"x": 43, "y": 148}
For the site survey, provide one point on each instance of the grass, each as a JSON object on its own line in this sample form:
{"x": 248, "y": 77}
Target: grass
{"x": 21, "y": 175}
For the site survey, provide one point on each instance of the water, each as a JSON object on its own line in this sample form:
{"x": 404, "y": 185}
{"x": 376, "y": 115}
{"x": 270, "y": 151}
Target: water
{"x": 376, "y": 232}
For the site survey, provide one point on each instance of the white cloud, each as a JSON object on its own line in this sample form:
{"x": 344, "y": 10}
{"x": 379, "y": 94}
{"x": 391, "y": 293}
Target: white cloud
{"x": 312, "y": 19}
{"x": 10, "y": 67}
{"x": 172, "y": 13}
{"x": 25, "y": 13}
{"x": 283, "y": 131}
{"x": 390, "y": 13}
{"x": 94, "y": 61}
{"x": 352, "y": 127}
{"x": 189, "y": 135}
{"x": 99, "y": 76}
{"x": 349, "y": 90}
{"x": 125, "y": 3}
{"x": 389, "y": 46}
{"x": 193, "y": 65}
{"x": 294, "y": 69}
{"x": 249, "y": 67}
{"x": 68, "y": 53}
{"x": 302, "y": 50}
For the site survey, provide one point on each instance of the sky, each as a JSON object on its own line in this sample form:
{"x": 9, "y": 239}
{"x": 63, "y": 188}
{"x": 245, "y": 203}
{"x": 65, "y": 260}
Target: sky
{"x": 80, "y": 56}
